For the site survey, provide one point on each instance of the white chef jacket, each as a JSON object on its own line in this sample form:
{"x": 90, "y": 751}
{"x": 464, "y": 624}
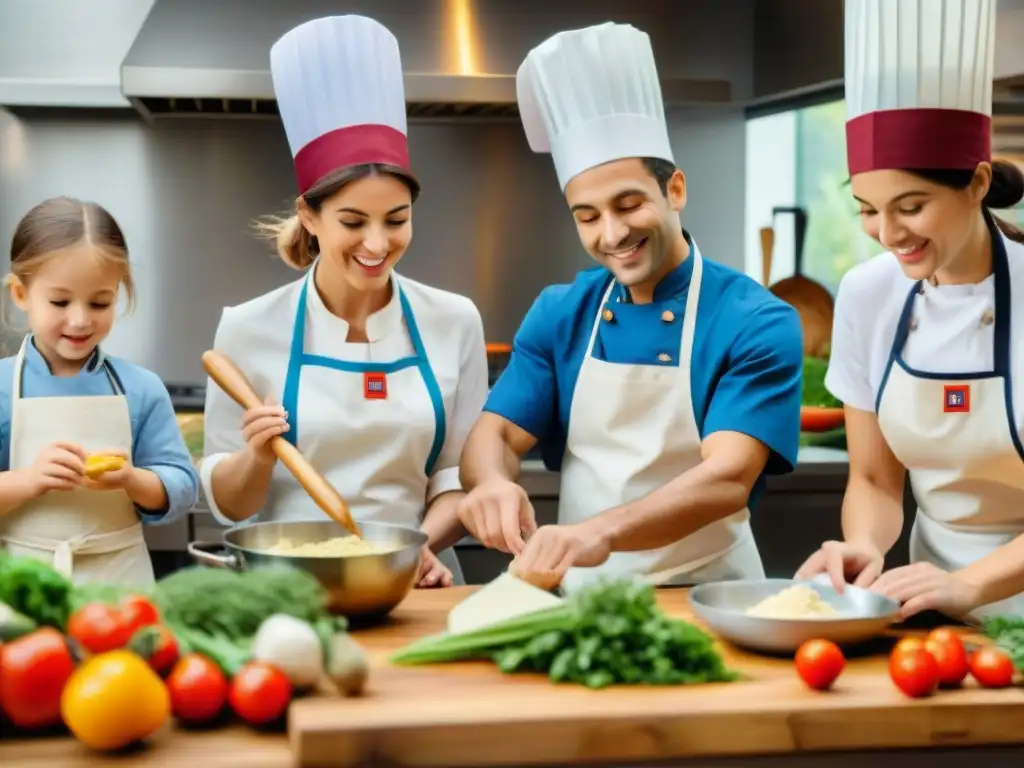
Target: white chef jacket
{"x": 949, "y": 335}
{"x": 257, "y": 337}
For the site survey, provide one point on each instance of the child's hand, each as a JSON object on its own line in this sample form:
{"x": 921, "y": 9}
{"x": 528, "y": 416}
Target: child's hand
{"x": 58, "y": 467}
{"x": 113, "y": 479}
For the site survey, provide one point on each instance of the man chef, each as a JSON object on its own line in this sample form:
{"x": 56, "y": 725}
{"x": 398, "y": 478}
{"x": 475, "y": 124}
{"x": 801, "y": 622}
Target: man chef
{"x": 662, "y": 385}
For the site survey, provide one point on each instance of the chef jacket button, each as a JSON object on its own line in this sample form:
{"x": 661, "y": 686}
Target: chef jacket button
{"x": 913, "y": 323}
{"x": 668, "y": 315}
{"x": 665, "y": 357}
{"x": 608, "y": 315}
{"x": 987, "y": 317}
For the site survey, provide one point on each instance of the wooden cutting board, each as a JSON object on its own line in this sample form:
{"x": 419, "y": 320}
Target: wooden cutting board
{"x": 471, "y": 714}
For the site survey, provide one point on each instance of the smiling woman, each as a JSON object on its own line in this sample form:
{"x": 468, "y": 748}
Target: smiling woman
{"x": 375, "y": 378}
{"x": 928, "y": 343}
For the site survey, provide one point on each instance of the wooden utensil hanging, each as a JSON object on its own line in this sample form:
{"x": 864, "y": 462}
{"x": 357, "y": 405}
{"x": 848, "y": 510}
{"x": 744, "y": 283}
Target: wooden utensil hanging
{"x": 812, "y": 301}
{"x": 229, "y": 378}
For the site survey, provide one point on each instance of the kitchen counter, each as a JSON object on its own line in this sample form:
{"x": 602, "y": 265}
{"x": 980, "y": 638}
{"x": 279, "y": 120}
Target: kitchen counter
{"x": 471, "y": 714}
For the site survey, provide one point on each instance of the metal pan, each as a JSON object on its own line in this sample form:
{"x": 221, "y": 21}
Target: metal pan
{"x": 367, "y": 587}
{"x": 861, "y": 615}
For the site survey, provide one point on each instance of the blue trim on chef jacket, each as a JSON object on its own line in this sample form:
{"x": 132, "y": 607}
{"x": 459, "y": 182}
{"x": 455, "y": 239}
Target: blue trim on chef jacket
{"x": 298, "y": 358}
{"x": 157, "y": 443}
{"x": 1000, "y": 339}
{"x": 746, "y": 370}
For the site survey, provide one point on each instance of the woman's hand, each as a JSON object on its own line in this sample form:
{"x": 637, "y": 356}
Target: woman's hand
{"x": 433, "y": 572}
{"x": 844, "y": 562}
{"x": 260, "y": 425}
{"x": 923, "y": 586}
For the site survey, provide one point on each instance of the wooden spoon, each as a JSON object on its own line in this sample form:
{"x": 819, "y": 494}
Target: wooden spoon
{"x": 234, "y": 383}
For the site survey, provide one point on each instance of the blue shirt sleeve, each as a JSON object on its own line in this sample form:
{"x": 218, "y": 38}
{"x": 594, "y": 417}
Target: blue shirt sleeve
{"x": 160, "y": 448}
{"x": 526, "y": 392}
{"x": 759, "y": 392}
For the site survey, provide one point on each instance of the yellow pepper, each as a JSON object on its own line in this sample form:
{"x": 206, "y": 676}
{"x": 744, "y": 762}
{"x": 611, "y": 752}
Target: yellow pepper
{"x": 113, "y": 700}
{"x": 97, "y": 464}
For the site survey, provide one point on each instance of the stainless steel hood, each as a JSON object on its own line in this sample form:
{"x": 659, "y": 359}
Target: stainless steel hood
{"x": 201, "y": 56}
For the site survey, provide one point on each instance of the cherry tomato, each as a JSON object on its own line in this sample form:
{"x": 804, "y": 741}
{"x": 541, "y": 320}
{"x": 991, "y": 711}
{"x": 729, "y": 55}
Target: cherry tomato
{"x": 950, "y": 656}
{"x": 991, "y": 667}
{"x": 138, "y": 612}
{"x": 198, "y": 689}
{"x": 260, "y": 693}
{"x": 99, "y": 627}
{"x": 909, "y": 644}
{"x": 33, "y": 671}
{"x": 914, "y": 671}
{"x": 819, "y": 663}
{"x": 165, "y": 652}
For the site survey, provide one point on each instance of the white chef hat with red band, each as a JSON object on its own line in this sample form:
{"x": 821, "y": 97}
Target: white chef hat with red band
{"x": 340, "y": 93}
{"x": 590, "y": 96}
{"x": 919, "y": 84}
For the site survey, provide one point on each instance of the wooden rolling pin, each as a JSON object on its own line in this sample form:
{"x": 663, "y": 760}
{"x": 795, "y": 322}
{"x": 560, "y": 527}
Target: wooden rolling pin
{"x": 234, "y": 383}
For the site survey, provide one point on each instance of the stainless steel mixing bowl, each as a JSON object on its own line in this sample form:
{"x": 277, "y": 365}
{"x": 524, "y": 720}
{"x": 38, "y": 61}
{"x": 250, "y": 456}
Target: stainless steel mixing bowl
{"x": 367, "y": 587}
{"x": 861, "y": 615}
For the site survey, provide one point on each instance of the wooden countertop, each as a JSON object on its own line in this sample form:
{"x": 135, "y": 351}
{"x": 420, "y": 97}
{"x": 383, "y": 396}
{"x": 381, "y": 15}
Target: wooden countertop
{"x": 471, "y": 714}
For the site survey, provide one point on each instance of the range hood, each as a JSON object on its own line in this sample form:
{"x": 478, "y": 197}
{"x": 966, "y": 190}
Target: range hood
{"x": 194, "y": 57}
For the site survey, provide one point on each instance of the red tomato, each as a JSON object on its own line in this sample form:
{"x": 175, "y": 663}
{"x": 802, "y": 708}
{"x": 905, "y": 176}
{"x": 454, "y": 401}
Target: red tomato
{"x": 909, "y": 644}
{"x": 260, "y": 693}
{"x": 99, "y": 627}
{"x": 815, "y": 419}
{"x": 991, "y": 667}
{"x": 198, "y": 689}
{"x": 819, "y": 663}
{"x": 165, "y": 654}
{"x": 138, "y": 612}
{"x": 950, "y": 656}
{"x": 914, "y": 671}
{"x": 33, "y": 671}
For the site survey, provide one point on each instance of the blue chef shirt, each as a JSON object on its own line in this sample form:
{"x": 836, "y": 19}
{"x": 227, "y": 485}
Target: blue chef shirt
{"x": 746, "y": 372}
{"x": 157, "y": 444}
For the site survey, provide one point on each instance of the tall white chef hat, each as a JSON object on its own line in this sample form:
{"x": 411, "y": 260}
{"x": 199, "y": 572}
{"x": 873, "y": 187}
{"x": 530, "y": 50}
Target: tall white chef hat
{"x": 590, "y": 96}
{"x": 339, "y": 88}
{"x": 919, "y": 83}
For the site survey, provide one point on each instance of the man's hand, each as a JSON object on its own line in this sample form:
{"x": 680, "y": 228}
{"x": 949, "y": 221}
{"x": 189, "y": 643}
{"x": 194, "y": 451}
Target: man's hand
{"x": 554, "y": 549}
{"x": 499, "y": 514}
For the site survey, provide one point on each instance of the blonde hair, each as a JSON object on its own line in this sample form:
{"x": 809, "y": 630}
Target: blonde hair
{"x": 61, "y": 223}
{"x": 292, "y": 241}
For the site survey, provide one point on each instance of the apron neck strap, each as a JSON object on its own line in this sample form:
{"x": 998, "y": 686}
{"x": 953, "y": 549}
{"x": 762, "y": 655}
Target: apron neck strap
{"x": 1003, "y": 304}
{"x": 19, "y": 366}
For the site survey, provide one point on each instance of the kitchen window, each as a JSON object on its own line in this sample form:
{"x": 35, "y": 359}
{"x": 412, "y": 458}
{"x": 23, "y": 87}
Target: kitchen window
{"x": 798, "y": 157}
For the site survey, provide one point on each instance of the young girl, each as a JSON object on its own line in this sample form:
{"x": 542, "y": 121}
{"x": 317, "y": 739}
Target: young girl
{"x": 63, "y": 401}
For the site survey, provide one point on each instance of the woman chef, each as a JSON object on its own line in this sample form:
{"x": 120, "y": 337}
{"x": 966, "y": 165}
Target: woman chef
{"x": 379, "y": 378}
{"x": 928, "y": 343}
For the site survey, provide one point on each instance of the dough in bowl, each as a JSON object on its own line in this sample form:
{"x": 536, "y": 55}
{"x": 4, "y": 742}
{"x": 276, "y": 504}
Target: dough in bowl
{"x": 796, "y": 602}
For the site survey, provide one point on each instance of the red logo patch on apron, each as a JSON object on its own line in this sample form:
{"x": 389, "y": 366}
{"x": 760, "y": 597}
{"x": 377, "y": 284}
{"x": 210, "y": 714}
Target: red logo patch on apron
{"x": 956, "y": 398}
{"x": 375, "y": 385}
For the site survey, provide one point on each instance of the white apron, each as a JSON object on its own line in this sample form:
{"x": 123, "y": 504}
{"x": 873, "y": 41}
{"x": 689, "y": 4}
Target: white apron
{"x": 632, "y": 430}
{"x": 91, "y": 536}
{"x": 956, "y": 435}
{"x": 374, "y": 430}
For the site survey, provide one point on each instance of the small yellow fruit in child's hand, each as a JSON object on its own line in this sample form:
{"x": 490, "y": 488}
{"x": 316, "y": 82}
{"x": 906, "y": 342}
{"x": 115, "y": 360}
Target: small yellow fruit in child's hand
{"x": 98, "y": 464}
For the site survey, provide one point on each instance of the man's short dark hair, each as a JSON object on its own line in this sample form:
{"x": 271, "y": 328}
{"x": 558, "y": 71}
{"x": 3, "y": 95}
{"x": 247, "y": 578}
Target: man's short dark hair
{"x": 661, "y": 170}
